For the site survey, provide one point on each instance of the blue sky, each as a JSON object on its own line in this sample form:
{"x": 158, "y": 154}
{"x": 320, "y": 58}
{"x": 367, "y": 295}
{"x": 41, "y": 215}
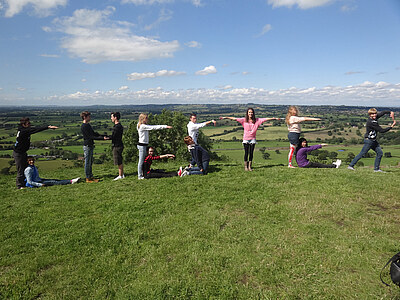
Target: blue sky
{"x": 117, "y": 52}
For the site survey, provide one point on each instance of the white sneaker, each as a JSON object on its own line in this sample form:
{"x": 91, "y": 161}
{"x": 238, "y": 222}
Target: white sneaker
{"x": 75, "y": 180}
{"x": 141, "y": 177}
{"x": 184, "y": 173}
{"x": 180, "y": 171}
{"x": 351, "y": 168}
{"x": 119, "y": 177}
{"x": 379, "y": 171}
{"x": 337, "y": 163}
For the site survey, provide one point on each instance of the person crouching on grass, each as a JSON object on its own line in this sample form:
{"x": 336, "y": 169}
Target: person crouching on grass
{"x": 370, "y": 142}
{"x": 33, "y": 179}
{"x": 199, "y": 156}
{"x": 148, "y": 172}
{"x": 301, "y": 156}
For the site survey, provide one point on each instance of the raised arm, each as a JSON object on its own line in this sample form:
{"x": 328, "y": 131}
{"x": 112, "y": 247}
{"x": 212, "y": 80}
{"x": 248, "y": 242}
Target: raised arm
{"x": 230, "y": 118}
{"x": 167, "y": 156}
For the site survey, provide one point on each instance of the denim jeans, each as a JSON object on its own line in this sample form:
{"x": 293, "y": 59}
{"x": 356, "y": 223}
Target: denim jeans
{"x": 142, "y": 156}
{"x": 196, "y": 170}
{"x": 50, "y": 182}
{"x": 88, "y": 153}
{"x": 369, "y": 144}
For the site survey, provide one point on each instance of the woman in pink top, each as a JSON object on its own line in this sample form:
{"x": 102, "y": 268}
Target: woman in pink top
{"x": 250, "y": 124}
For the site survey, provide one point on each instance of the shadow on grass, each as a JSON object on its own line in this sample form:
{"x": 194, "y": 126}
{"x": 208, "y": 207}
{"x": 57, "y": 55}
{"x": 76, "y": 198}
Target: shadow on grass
{"x": 269, "y": 166}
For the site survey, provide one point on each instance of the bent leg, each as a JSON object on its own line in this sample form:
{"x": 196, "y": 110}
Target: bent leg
{"x": 364, "y": 150}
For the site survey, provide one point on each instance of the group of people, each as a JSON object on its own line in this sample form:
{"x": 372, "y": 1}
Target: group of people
{"x": 28, "y": 176}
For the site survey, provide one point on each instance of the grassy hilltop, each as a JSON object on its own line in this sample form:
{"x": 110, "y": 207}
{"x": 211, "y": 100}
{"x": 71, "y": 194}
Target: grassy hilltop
{"x": 272, "y": 233}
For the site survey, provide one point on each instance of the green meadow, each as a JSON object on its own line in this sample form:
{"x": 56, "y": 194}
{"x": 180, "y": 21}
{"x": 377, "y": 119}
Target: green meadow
{"x": 274, "y": 233}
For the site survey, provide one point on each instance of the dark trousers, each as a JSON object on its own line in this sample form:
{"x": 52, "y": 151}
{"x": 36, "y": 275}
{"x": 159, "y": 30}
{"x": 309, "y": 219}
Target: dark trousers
{"x": 21, "y": 164}
{"x": 318, "y": 165}
{"x": 248, "y": 151}
{"x": 160, "y": 174}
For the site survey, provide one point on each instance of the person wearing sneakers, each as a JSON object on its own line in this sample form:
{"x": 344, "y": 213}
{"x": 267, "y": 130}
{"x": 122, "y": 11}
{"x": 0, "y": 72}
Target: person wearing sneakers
{"x": 301, "y": 156}
{"x": 33, "y": 179}
{"x": 148, "y": 172}
{"x": 117, "y": 145}
{"x": 21, "y": 146}
{"x": 293, "y": 122}
{"x": 250, "y": 125}
{"x": 143, "y": 131}
{"x": 370, "y": 142}
{"x": 88, "y": 144}
{"x": 199, "y": 156}
{"x": 193, "y": 127}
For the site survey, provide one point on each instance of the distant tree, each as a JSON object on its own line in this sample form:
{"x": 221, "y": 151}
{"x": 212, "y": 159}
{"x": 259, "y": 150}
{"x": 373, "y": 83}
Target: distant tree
{"x": 332, "y": 155}
{"x": 388, "y": 154}
{"x": 266, "y": 155}
{"x": 277, "y": 151}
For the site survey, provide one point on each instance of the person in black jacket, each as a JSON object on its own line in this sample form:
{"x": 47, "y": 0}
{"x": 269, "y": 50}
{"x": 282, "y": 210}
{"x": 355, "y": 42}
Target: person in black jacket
{"x": 370, "y": 142}
{"x": 22, "y": 145}
{"x": 117, "y": 145}
{"x": 88, "y": 144}
{"x": 199, "y": 156}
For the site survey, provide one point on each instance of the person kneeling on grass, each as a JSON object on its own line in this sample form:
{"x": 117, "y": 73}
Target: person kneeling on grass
{"x": 150, "y": 173}
{"x": 33, "y": 179}
{"x": 301, "y": 156}
{"x": 199, "y": 156}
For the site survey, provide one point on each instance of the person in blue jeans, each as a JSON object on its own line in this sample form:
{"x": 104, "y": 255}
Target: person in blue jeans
{"x": 370, "y": 142}
{"x": 33, "y": 179}
{"x": 199, "y": 156}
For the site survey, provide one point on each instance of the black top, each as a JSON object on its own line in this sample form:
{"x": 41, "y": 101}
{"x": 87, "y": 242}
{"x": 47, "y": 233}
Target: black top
{"x": 89, "y": 135}
{"x": 372, "y": 126}
{"x": 199, "y": 154}
{"x": 116, "y": 136}
{"x": 23, "y": 141}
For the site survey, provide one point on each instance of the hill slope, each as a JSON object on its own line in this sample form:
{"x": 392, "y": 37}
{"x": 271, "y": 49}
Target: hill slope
{"x": 272, "y": 233}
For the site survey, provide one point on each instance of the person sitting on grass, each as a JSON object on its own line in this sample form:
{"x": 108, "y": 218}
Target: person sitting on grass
{"x": 301, "y": 156}
{"x": 150, "y": 173}
{"x": 33, "y": 179}
{"x": 199, "y": 156}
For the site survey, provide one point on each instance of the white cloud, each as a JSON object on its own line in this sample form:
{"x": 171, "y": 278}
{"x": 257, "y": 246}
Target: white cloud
{"x": 123, "y": 88}
{"x": 93, "y": 37}
{"x": 165, "y": 15}
{"x": 365, "y": 94}
{"x": 151, "y": 2}
{"x": 207, "y": 70}
{"x": 50, "y": 55}
{"x": 348, "y": 8}
{"x": 1, "y": 88}
{"x": 21, "y": 88}
{"x": 83, "y": 79}
{"x": 303, "y": 4}
{"x": 161, "y": 73}
{"x": 40, "y": 7}
{"x": 193, "y": 44}
{"x": 265, "y": 29}
{"x": 353, "y": 72}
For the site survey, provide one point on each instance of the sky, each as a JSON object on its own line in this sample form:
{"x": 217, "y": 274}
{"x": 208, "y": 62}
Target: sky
{"x": 121, "y": 52}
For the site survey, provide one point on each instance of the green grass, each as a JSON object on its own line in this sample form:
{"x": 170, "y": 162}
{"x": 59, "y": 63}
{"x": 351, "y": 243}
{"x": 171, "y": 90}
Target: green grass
{"x": 272, "y": 233}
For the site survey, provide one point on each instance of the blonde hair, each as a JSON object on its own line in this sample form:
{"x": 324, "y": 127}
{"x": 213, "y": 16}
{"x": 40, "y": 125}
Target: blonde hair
{"x": 372, "y": 111}
{"x": 292, "y": 111}
{"x": 142, "y": 118}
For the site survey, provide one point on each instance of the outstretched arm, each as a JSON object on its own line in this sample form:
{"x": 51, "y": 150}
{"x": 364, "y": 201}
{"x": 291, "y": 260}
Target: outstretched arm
{"x": 310, "y": 119}
{"x": 167, "y": 156}
{"x": 230, "y": 118}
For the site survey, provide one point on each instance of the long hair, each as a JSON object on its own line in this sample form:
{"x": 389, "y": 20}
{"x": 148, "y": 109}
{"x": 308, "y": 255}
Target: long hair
{"x": 301, "y": 140}
{"x": 142, "y": 118}
{"x": 253, "y": 118}
{"x": 292, "y": 111}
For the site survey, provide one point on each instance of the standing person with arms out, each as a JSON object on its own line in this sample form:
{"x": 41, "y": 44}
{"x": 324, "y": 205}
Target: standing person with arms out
{"x": 143, "y": 131}
{"x": 193, "y": 127}
{"x": 370, "y": 142}
{"x": 301, "y": 156}
{"x": 117, "y": 145}
{"x": 22, "y": 145}
{"x": 250, "y": 124}
{"x": 33, "y": 179}
{"x": 293, "y": 122}
{"x": 199, "y": 156}
{"x": 88, "y": 144}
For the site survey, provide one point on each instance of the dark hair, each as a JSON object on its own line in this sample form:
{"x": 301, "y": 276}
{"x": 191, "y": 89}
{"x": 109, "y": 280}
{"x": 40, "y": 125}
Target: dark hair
{"x": 253, "y": 118}
{"x": 116, "y": 115}
{"x": 301, "y": 140}
{"x": 193, "y": 115}
{"x": 23, "y": 121}
{"x": 30, "y": 158}
{"x": 150, "y": 147}
{"x": 84, "y": 114}
{"x": 188, "y": 140}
